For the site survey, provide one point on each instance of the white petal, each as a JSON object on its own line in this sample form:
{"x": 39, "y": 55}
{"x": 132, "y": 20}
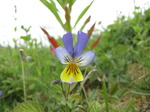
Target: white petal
{"x": 85, "y": 58}
{"x": 63, "y": 55}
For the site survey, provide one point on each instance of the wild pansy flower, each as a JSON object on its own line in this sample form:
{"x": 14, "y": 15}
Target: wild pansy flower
{"x": 0, "y": 92}
{"x": 74, "y": 57}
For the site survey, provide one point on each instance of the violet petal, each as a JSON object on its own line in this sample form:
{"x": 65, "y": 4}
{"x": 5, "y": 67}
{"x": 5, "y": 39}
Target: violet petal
{"x": 82, "y": 41}
{"x": 68, "y": 43}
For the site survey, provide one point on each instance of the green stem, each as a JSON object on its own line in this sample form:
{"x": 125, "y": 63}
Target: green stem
{"x": 84, "y": 91}
{"x": 105, "y": 96}
{"x": 68, "y": 92}
{"x": 65, "y": 96}
{"x": 68, "y": 28}
{"x": 63, "y": 92}
{"x": 23, "y": 78}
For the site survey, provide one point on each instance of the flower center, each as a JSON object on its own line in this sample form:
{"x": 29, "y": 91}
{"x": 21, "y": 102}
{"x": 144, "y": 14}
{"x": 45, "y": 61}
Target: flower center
{"x": 72, "y": 68}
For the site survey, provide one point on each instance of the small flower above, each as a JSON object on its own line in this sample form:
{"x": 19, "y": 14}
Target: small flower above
{"x": 73, "y": 56}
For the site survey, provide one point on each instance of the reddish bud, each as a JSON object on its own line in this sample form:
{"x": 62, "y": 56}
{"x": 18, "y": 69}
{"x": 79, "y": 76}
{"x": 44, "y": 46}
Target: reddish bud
{"x": 67, "y": 14}
{"x": 52, "y": 50}
{"x": 51, "y": 39}
{"x": 53, "y": 42}
{"x": 96, "y": 42}
{"x": 90, "y": 31}
{"x": 87, "y": 20}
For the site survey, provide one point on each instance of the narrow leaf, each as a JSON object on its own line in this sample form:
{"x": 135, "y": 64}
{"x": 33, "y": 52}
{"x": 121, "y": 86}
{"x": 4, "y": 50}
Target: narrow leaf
{"x": 71, "y": 2}
{"x": 52, "y": 7}
{"x": 82, "y": 14}
{"x": 29, "y": 106}
{"x": 129, "y": 107}
{"x": 61, "y": 3}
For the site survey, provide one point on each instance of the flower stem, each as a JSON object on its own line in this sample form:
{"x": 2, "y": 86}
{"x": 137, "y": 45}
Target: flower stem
{"x": 105, "y": 96}
{"x": 63, "y": 92}
{"x": 84, "y": 91}
{"x": 66, "y": 96}
{"x": 68, "y": 92}
{"x": 23, "y": 74}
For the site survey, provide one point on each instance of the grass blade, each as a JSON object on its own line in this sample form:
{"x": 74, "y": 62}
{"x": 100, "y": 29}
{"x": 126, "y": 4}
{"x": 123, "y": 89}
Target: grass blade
{"x": 105, "y": 96}
{"x": 130, "y": 106}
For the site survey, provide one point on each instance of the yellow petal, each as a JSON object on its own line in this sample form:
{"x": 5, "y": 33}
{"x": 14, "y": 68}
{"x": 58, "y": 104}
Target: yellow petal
{"x": 71, "y": 74}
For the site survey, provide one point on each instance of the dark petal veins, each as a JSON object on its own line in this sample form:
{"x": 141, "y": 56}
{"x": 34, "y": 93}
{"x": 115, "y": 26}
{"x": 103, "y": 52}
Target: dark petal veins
{"x": 85, "y": 58}
{"x": 63, "y": 55}
{"x": 66, "y": 59}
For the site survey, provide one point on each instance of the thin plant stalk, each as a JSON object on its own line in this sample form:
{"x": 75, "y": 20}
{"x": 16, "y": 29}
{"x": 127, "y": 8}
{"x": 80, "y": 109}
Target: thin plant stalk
{"x": 85, "y": 93}
{"x": 105, "y": 96}
{"x": 68, "y": 92}
{"x": 66, "y": 95}
{"x": 23, "y": 74}
{"x": 63, "y": 92}
{"x": 85, "y": 79}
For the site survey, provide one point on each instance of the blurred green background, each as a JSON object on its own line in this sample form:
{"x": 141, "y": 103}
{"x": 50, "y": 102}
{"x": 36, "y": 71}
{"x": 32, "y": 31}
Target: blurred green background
{"x": 119, "y": 76}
